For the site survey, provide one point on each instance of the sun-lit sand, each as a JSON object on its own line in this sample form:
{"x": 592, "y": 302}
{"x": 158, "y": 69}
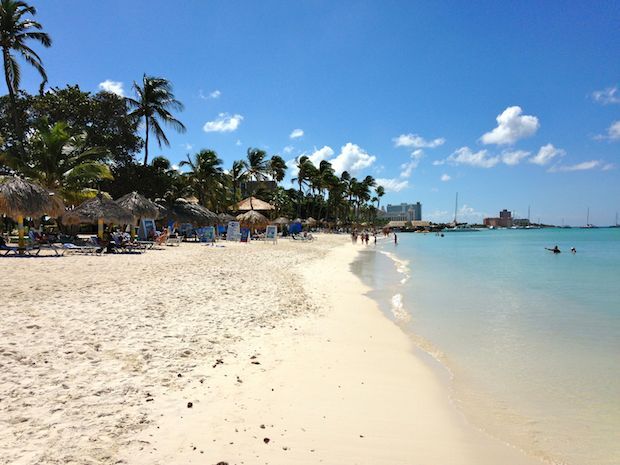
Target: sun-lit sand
{"x": 248, "y": 354}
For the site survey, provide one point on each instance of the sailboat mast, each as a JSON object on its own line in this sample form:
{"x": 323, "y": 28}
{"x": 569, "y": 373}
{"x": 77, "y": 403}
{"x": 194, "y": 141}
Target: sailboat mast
{"x": 528, "y": 214}
{"x": 588, "y": 217}
{"x": 456, "y": 206}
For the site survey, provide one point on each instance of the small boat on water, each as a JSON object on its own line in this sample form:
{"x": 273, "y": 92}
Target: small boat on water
{"x": 456, "y": 227}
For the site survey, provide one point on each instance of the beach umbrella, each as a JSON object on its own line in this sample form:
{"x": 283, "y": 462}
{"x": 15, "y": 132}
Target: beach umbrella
{"x": 225, "y": 218}
{"x": 139, "y": 206}
{"x": 281, "y": 221}
{"x": 186, "y": 212}
{"x": 311, "y": 221}
{"x": 252, "y": 203}
{"x": 20, "y": 198}
{"x": 253, "y": 219}
{"x": 298, "y": 220}
{"x": 98, "y": 210}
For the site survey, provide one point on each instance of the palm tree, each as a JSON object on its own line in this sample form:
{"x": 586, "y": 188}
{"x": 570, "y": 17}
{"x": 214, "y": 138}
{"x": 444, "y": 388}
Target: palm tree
{"x": 305, "y": 170}
{"x": 15, "y": 31}
{"x": 154, "y": 100}
{"x": 206, "y": 177}
{"x": 277, "y": 168}
{"x": 380, "y": 191}
{"x": 62, "y": 161}
{"x": 256, "y": 167}
{"x": 237, "y": 176}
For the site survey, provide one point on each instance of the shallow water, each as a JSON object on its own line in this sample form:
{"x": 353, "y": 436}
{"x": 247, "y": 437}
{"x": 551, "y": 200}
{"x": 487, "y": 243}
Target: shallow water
{"x": 532, "y": 339}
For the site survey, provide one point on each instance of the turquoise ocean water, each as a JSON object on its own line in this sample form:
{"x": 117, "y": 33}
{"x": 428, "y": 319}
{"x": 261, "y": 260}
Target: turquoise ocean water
{"x": 531, "y": 339}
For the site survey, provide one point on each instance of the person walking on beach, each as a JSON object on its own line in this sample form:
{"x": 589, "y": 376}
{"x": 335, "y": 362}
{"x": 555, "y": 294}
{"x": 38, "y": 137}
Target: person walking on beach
{"x": 395, "y": 238}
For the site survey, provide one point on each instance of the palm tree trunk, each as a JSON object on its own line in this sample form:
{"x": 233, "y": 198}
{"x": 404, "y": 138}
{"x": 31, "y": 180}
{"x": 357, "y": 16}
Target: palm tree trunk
{"x": 146, "y": 142}
{"x": 9, "y": 86}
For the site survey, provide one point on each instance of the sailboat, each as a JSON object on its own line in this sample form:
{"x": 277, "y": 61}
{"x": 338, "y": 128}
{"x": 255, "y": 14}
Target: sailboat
{"x": 616, "y": 225}
{"x": 588, "y": 225}
{"x": 459, "y": 227}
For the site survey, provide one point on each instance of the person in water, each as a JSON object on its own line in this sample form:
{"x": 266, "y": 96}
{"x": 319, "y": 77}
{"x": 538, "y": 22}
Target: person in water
{"x": 573, "y": 250}
{"x": 555, "y": 249}
{"x": 395, "y": 238}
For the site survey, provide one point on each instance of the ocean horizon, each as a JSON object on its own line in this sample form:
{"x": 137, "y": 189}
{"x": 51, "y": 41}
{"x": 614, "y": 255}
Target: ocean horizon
{"x": 530, "y": 338}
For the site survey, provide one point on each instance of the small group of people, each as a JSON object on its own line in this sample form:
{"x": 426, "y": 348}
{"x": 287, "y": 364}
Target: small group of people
{"x": 364, "y": 236}
{"x": 557, "y": 250}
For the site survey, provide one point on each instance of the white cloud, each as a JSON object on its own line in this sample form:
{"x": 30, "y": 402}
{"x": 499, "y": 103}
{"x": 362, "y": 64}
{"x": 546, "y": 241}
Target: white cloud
{"x": 469, "y": 214}
{"x": 392, "y": 185}
{"x": 439, "y": 162}
{"x": 465, "y": 156}
{"x": 407, "y": 168}
{"x": 352, "y": 158}
{"x": 187, "y": 146}
{"x": 607, "y": 96}
{"x": 324, "y": 153}
{"x": 445, "y": 177}
{"x": 212, "y": 95}
{"x": 114, "y": 87}
{"x": 583, "y": 166}
{"x": 223, "y": 123}
{"x": 608, "y": 166}
{"x": 512, "y": 158}
{"x": 296, "y": 133}
{"x": 546, "y": 154}
{"x": 288, "y": 149}
{"x": 238, "y": 143}
{"x": 416, "y": 141}
{"x": 613, "y": 132}
{"x": 511, "y": 126}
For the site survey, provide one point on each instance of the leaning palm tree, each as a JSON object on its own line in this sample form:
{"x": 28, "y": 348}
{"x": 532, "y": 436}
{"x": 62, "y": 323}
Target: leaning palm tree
{"x": 154, "y": 100}
{"x": 62, "y": 161}
{"x": 15, "y": 32}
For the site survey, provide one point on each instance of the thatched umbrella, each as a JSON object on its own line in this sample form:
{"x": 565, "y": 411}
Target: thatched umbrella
{"x": 281, "y": 221}
{"x": 98, "y": 210}
{"x": 253, "y": 219}
{"x": 139, "y": 206}
{"x": 225, "y": 218}
{"x": 311, "y": 221}
{"x": 252, "y": 203}
{"x": 20, "y": 198}
{"x": 186, "y": 212}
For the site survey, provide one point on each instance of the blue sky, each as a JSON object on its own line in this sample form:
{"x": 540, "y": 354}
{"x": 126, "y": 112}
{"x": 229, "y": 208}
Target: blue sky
{"x": 509, "y": 103}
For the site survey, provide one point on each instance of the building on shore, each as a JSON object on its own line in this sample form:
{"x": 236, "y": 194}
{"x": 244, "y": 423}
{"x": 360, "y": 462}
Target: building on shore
{"x": 402, "y": 212}
{"x": 504, "y": 220}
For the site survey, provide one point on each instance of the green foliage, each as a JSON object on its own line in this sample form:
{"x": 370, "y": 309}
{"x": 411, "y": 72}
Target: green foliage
{"x": 153, "y": 104}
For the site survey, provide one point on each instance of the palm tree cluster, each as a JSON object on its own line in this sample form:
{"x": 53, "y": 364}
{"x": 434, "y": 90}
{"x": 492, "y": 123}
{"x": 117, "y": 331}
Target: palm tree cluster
{"x": 78, "y": 144}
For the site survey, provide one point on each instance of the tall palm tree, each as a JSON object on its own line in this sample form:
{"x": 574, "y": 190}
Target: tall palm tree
{"x": 206, "y": 177}
{"x": 15, "y": 32}
{"x": 277, "y": 168}
{"x": 153, "y": 103}
{"x": 237, "y": 176}
{"x": 380, "y": 192}
{"x": 256, "y": 167}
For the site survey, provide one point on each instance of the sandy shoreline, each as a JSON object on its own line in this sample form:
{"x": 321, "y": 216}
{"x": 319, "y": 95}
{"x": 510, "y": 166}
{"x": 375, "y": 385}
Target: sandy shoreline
{"x": 101, "y": 356}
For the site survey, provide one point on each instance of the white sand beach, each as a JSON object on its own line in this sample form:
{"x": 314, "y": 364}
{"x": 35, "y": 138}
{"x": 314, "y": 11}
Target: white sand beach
{"x": 242, "y": 354}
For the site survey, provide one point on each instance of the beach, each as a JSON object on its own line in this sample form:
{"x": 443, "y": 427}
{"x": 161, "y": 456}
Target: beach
{"x": 235, "y": 354}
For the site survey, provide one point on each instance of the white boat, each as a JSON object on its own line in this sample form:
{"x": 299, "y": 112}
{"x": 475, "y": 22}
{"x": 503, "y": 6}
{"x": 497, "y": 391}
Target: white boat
{"x": 459, "y": 227}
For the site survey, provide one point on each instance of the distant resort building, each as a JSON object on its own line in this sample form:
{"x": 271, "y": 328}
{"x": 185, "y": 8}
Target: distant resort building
{"x": 402, "y": 212}
{"x": 505, "y": 220}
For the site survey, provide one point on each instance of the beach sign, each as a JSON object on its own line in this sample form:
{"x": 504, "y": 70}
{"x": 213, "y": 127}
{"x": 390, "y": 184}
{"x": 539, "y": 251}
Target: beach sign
{"x": 271, "y": 234}
{"x": 146, "y": 231}
{"x": 234, "y": 231}
{"x": 208, "y": 234}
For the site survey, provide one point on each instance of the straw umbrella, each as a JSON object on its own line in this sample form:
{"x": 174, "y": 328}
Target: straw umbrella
{"x": 98, "y": 210}
{"x": 186, "y": 212}
{"x": 253, "y": 219}
{"x": 281, "y": 221}
{"x": 225, "y": 218}
{"x": 311, "y": 221}
{"x": 139, "y": 206}
{"x": 20, "y": 198}
{"x": 252, "y": 203}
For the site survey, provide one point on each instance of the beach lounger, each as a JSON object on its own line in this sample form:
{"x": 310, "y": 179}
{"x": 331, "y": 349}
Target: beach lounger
{"x": 171, "y": 241}
{"x": 84, "y": 249}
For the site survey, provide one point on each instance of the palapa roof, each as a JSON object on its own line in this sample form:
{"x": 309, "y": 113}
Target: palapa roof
{"x": 311, "y": 221}
{"x": 92, "y": 210}
{"x": 225, "y": 217}
{"x": 253, "y": 218}
{"x": 186, "y": 212}
{"x": 19, "y": 197}
{"x": 281, "y": 220}
{"x": 396, "y": 224}
{"x": 139, "y": 206}
{"x": 252, "y": 203}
